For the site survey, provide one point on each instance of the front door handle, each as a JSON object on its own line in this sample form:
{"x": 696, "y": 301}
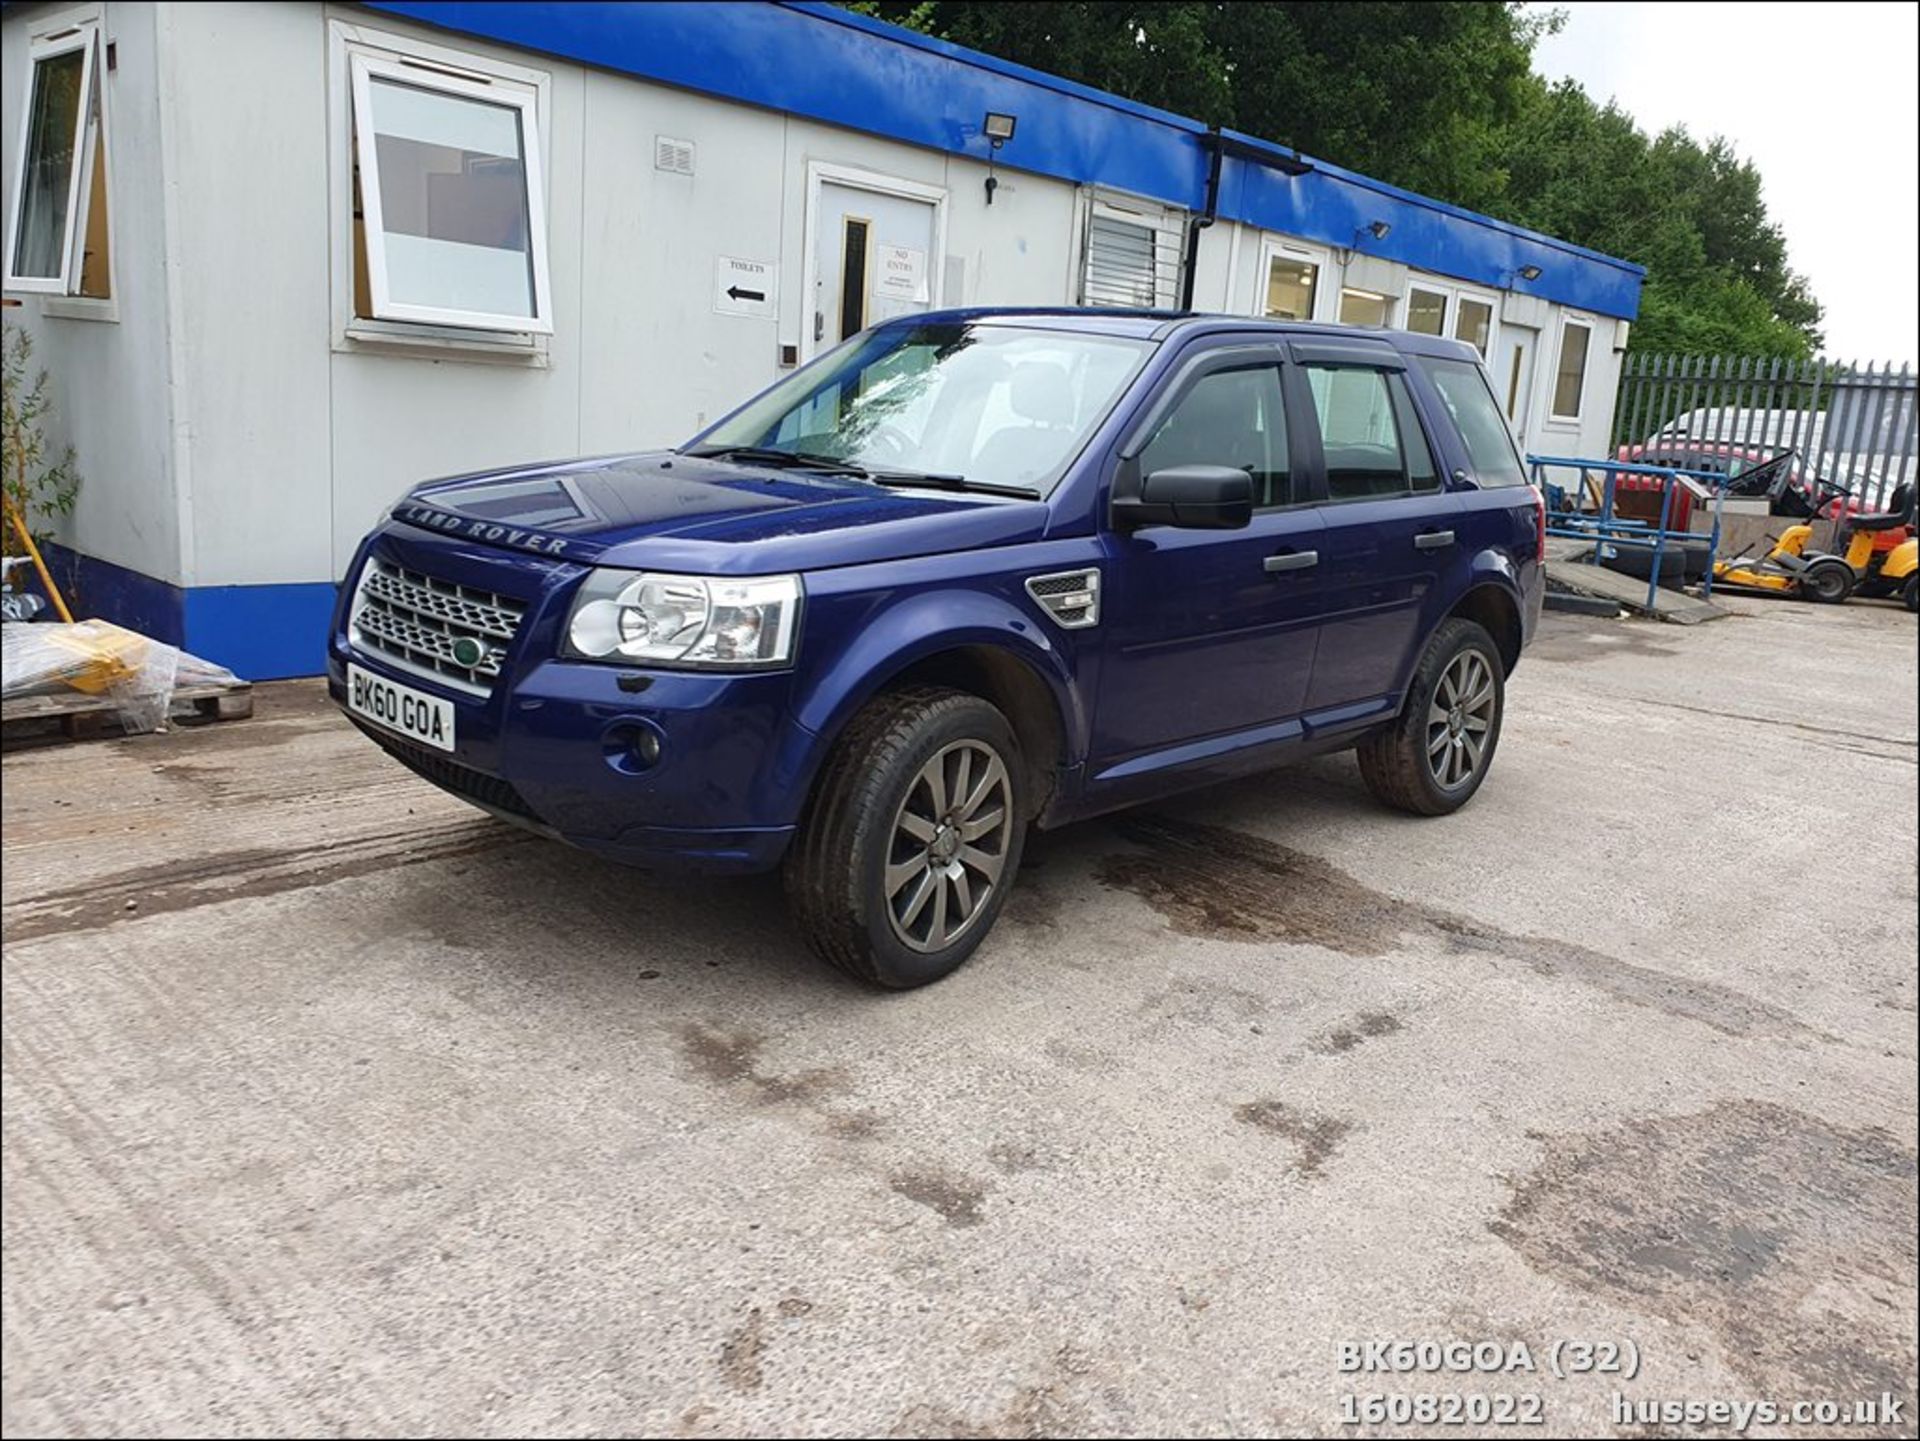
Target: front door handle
{"x": 1433, "y": 540}
{"x": 1292, "y": 560}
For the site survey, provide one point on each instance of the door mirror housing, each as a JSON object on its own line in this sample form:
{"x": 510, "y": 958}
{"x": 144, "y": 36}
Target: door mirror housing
{"x": 1193, "y": 497}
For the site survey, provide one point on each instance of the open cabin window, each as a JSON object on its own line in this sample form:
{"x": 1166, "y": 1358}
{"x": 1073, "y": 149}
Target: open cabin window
{"x": 57, "y": 231}
{"x": 449, "y": 213}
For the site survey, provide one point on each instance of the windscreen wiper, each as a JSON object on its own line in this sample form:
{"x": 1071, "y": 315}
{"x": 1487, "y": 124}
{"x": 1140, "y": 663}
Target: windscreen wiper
{"x": 837, "y": 465}
{"x": 788, "y": 459}
{"x": 936, "y": 480}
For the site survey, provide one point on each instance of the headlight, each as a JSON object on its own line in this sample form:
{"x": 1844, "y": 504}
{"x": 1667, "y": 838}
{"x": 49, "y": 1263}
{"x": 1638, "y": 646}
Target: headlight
{"x": 688, "y": 620}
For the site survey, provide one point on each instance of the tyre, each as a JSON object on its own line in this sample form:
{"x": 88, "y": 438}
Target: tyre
{"x": 1828, "y": 582}
{"x": 912, "y": 839}
{"x": 1912, "y": 592}
{"x": 1434, "y": 757}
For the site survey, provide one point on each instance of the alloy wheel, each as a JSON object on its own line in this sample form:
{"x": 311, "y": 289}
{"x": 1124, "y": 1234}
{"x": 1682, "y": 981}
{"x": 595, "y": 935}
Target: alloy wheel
{"x": 949, "y": 845}
{"x": 1459, "y": 719}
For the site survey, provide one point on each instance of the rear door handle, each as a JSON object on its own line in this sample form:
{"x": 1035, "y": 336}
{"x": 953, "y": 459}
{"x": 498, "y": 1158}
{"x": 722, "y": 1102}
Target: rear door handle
{"x": 1433, "y": 540}
{"x": 1292, "y": 560}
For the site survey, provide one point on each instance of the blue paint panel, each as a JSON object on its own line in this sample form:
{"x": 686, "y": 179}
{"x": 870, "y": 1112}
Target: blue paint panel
{"x": 1336, "y": 208}
{"x": 261, "y": 632}
{"x": 825, "y": 64}
{"x": 100, "y": 590}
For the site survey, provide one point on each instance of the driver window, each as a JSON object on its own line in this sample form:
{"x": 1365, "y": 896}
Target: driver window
{"x": 1233, "y": 418}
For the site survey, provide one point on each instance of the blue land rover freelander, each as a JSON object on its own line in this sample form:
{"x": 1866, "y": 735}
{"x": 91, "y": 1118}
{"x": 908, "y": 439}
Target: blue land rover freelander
{"x": 967, "y": 573}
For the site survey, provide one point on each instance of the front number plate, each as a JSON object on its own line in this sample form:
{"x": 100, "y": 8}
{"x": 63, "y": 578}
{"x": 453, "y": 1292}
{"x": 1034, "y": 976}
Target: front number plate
{"x": 414, "y": 714}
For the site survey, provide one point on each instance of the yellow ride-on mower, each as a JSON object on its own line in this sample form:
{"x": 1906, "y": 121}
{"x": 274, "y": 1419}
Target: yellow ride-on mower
{"x": 1869, "y": 562}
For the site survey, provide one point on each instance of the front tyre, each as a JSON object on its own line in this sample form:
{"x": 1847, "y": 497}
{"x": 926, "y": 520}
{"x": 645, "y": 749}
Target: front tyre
{"x": 1434, "y": 757}
{"x": 912, "y": 839}
{"x": 1827, "y": 582}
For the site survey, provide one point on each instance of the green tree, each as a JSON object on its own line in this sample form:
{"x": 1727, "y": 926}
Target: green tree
{"x": 1440, "y": 98}
{"x": 41, "y": 481}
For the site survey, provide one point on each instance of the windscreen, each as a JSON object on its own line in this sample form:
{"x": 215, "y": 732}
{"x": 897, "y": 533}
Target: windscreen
{"x": 990, "y": 403}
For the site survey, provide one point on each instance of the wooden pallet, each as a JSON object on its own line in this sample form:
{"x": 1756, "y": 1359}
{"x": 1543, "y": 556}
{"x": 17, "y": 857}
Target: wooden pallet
{"x": 73, "y": 715}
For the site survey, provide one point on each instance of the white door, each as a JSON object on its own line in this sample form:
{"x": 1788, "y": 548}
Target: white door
{"x": 1513, "y": 377}
{"x": 875, "y": 256}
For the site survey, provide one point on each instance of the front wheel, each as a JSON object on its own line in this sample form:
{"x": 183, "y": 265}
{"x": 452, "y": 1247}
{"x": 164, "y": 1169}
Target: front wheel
{"x": 1437, "y": 753}
{"x": 1912, "y": 592}
{"x": 1827, "y": 583}
{"x": 912, "y": 838}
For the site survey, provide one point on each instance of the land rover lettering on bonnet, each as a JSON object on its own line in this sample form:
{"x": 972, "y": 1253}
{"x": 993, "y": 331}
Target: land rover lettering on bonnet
{"x": 968, "y": 574}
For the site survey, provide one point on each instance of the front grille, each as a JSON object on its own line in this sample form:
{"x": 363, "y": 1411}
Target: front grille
{"x": 454, "y": 634}
{"x": 463, "y": 781}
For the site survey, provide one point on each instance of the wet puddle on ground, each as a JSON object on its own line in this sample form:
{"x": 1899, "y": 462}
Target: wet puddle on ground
{"x": 1792, "y": 1239}
{"x": 1226, "y": 885}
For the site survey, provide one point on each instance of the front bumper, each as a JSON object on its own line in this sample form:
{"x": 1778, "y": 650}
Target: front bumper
{"x": 552, "y": 746}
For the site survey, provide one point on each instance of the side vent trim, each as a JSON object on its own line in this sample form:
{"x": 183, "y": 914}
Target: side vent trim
{"x": 1070, "y": 597}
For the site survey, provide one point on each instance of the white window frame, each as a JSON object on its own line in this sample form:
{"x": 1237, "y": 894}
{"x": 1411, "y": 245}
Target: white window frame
{"x": 1479, "y": 297}
{"x": 1167, "y": 222}
{"x": 819, "y": 172}
{"x": 1388, "y": 298}
{"x": 366, "y": 334}
{"x": 1272, "y": 247}
{"x": 1554, "y": 413}
{"x": 368, "y": 67}
{"x": 1446, "y": 298}
{"x": 1453, "y": 292}
{"x": 62, "y": 35}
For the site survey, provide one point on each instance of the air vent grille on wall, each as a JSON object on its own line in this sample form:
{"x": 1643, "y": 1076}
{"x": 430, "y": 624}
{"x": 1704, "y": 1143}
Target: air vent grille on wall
{"x": 1071, "y": 597}
{"x": 673, "y": 156}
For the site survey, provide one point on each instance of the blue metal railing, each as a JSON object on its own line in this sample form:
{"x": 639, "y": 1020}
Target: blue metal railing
{"x": 1603, "y": 527}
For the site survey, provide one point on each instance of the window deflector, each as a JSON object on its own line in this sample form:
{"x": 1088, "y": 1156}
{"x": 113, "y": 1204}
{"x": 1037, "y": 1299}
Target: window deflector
{"x": 79, "y": 167}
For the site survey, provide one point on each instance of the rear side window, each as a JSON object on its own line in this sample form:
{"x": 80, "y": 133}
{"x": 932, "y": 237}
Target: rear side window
{"x": 1233, "y": 418}
{"x": 1477, "y": 416}
{"x": 1370, "y": 434}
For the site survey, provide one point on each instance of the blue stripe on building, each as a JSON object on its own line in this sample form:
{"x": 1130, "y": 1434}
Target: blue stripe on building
{"x": 259, "y": 632}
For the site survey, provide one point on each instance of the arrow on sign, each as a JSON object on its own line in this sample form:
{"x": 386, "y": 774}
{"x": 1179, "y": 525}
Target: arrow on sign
{"x": 734, "y": 292}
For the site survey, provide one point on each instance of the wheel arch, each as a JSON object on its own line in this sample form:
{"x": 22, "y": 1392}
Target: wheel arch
{"x": 1494, "y": 608}
{"x": 1015, "y": 689}
{"x": 966, "y": 642}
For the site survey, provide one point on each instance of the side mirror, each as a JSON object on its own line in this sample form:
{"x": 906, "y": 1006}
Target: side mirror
{"x": 1193, "y": 497}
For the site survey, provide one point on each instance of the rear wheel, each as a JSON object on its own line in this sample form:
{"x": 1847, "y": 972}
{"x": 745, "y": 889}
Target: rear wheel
{"x": 1828, "y": 582}
{"x": 1912, "y": 592}
{"x": 1437, "y": 753}
{"x": 912, "y": 839}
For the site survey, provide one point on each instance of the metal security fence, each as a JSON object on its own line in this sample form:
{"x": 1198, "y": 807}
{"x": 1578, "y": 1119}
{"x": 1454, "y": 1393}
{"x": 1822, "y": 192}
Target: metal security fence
{"x": 1853, "y": 424}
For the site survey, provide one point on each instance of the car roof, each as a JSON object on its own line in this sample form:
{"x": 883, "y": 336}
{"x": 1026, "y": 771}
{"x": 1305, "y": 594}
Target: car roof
{"x": 1161, "y": 325}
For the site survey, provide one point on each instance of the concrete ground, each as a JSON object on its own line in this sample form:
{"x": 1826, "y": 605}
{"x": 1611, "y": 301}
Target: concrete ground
{"x": 334, "y": 1107}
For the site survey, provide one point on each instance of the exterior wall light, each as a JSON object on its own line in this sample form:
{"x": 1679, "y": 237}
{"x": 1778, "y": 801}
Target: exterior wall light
{"x": 1378, "y": 229}
{"x": 1529, "y": 272}
{"x": 998, "y": 129}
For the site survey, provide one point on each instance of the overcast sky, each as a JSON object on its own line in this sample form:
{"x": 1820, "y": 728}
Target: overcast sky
{"x": 1822, "y": 97}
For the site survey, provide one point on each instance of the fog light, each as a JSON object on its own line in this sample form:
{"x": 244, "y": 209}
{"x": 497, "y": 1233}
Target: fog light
{"x": 632, "y": 747}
